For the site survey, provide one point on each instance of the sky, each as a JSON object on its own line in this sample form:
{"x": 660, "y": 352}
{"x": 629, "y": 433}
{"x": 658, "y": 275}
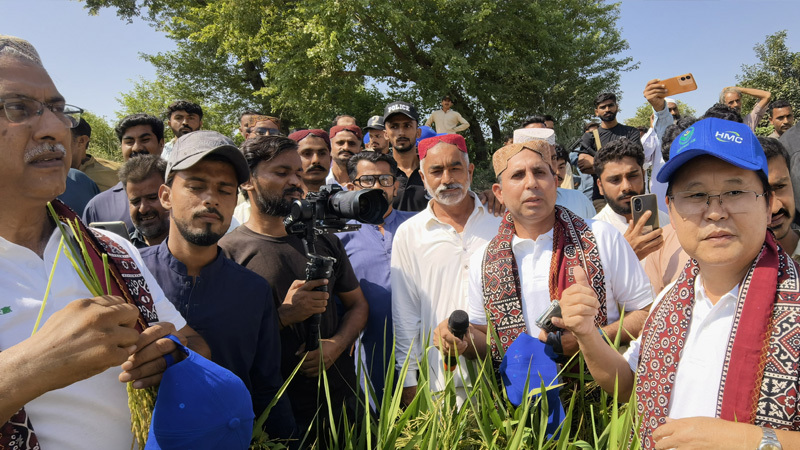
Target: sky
{"x": 92, "y": 59}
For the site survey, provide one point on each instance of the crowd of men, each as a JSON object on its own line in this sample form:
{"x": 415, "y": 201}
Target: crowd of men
{"x": 707, "y": 301}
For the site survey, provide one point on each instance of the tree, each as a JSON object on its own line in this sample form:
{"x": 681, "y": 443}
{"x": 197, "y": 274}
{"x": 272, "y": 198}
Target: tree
{"x": 778, "y": 71}
{"x": 104, "y": 142}
{"x": 642, "y": 116}
{"x": 306, "y": 60}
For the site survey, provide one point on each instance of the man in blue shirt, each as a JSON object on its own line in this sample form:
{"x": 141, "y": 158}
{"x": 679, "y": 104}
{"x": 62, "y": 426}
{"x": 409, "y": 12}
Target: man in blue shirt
{"x": 370, "y": 253}
{"x": 230, "y": 306}
{"x": 139, "y": 134}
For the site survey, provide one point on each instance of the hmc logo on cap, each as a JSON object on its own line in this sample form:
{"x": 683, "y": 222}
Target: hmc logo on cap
{"x": 685, "y": 138}
{"x": 728, "y": 136}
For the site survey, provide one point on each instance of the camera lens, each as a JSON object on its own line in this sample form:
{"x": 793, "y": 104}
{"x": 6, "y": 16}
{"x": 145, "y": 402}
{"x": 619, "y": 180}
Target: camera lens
{"x": 366, "y": 206}
{"x": 637, "y": 203}
{"x": 683, "y": 78}
{"x": 688, "y": 77}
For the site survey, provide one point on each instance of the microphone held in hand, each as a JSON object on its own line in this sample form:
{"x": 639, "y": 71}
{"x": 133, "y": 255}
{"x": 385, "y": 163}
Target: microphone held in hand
{"x": 458, "y": 324}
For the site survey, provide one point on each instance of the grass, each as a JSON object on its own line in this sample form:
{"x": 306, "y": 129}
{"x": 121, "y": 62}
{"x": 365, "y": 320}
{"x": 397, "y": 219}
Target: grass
{"x": 486, "y": 420}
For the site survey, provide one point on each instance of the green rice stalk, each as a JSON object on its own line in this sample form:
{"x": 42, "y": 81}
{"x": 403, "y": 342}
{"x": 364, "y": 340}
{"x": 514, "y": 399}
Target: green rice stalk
{"x": 140, "y": 401}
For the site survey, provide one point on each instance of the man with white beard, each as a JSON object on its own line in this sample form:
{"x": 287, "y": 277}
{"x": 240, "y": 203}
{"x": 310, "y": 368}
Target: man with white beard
{"x": 430, "y": 257}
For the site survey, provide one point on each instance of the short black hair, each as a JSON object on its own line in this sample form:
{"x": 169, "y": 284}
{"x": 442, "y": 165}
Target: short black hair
{"x": 561, "y": 153}
{"x": 672, "y": 132}
{"x": 616, "y": 151}
{"x": 778, "y": 104}
{"x": 774, "y": 149}
{"x": 136, "y": 170}
{"x": 265, "y": 148}
{"x": 184, "y": 105}
{"x": 550, "y": 118}
{"x": 140, "y": 119}
{"x": 533, "y": 119}
{"x": 336, "y": 119}
{"x": 722, "y": 111}
{"x": 588, "y": 125}
{"x": 83, "y": 129}
{"x": 373, "y": 157}
{"x": 603, "y": 97}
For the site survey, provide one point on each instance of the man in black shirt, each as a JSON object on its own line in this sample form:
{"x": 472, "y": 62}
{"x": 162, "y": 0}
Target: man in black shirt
{"x": 263, "y": 246}
{"x": 605, "y": 107}
{"x": 401, "y": 121}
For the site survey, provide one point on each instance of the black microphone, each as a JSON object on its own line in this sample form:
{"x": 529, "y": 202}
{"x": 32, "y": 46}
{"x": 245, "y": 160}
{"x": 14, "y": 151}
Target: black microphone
{"x": 458, "y": 324}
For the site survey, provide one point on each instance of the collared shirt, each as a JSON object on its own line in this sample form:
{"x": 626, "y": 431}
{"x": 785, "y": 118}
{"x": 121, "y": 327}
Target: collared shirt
{"x": 411, "y": 193}
{"x": 109, "y": 206}
{"x": 430, "y": 267}
{"x": 167, "y": 149}
{"x": 621, "y": 223}
{"x": 92, "y": 413}
{"x": 370, "y": 253}
{"x": 232, "y": 308}
{"x": 80, "y": 191}
{"x": 331, "y": 179}
{"x": 774, "y": 135}
{"x": 699, "y": 371}
{"x": 576, "y": 202}
{"x": 138, "y": 240}
{"x": 447, "y": 121}
{"x": 101, "y": 171}
{"x": 625, "y": 282}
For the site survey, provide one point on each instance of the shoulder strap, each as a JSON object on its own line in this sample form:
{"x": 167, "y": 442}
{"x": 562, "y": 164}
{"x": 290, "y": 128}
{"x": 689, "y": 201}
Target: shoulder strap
{"x": 597, "y": 143}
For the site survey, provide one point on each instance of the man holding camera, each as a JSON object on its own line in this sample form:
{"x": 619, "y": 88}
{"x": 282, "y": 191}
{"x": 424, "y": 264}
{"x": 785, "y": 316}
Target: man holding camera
{"x": 264, "y": 246}
{"x": 541, "y": 252}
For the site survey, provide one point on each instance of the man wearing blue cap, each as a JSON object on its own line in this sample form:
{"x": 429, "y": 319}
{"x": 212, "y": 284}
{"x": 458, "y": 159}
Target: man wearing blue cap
{"x": 717, "y": 362}
{"x": 230, "y": 306}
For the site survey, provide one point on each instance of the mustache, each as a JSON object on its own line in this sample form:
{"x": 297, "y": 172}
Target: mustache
{"x": 316, "y": 167}
{"x": 211, "y": 210}
{"x": 446, "y": 186}
{"x": 43, "y": 149}
{"x": 626, "y": 195}
{"x": 292, "y": 190}
{"x": 783, "y": 211}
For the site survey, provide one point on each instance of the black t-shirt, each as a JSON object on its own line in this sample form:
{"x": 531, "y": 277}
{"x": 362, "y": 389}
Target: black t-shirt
{"x": 606, "y": 135}
{"x": 411, "y": 195}
{"x": 281, "y": 261}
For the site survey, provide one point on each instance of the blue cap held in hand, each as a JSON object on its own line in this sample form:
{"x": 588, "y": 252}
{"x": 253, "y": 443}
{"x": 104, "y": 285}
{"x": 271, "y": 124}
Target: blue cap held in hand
{"x": 200, "y": 405}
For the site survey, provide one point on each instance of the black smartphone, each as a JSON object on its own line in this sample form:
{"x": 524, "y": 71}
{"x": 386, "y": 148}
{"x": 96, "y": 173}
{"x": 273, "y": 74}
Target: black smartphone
{"x": 117, "y": 227}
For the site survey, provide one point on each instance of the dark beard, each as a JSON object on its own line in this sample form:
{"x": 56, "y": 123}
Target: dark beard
{"x": 274, "y": 205}
{"x": 618, "y": 207}
{"x": 205, "y": 238}
{"x": 411, "y": 146}
{"x": 613, "y": 117}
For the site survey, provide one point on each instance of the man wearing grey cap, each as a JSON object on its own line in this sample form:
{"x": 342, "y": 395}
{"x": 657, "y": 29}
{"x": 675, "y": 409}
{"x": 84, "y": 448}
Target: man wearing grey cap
{"x": 230, "y": 306}
{"x": 377, "y": 138}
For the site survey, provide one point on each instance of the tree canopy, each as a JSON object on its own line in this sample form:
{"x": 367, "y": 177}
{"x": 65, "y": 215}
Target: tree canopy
{"x": 309, "y": 60}
{"x": 777, "y": 71}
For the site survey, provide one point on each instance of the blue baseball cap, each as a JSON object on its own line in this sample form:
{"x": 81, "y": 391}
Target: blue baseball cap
{"x": 731, "y": 142}
{"x": 200, "y": 405}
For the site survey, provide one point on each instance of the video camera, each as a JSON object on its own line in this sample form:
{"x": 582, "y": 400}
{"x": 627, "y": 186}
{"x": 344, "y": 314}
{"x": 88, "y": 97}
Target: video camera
{"x": 328, "y": 211}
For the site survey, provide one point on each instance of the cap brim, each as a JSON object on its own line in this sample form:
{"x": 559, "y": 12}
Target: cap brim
{"x": 407, "y": 114}
{"x": 229, "y": 152}
{"x": 679, "y": 160}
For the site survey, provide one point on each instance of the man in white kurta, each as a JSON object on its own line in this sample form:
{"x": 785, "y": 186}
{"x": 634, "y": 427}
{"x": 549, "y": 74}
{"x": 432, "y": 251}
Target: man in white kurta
{"x": 430, "y": 257}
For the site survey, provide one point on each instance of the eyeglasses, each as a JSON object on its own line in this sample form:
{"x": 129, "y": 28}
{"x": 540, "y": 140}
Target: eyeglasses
{"x": 20, "y": 109}
{"x": 690, "y": 203}
{"x": 367, "y": 181}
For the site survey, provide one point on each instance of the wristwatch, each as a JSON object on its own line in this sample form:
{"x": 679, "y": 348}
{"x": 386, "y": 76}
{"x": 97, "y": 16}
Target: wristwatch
{"x": 769, "y": 440}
